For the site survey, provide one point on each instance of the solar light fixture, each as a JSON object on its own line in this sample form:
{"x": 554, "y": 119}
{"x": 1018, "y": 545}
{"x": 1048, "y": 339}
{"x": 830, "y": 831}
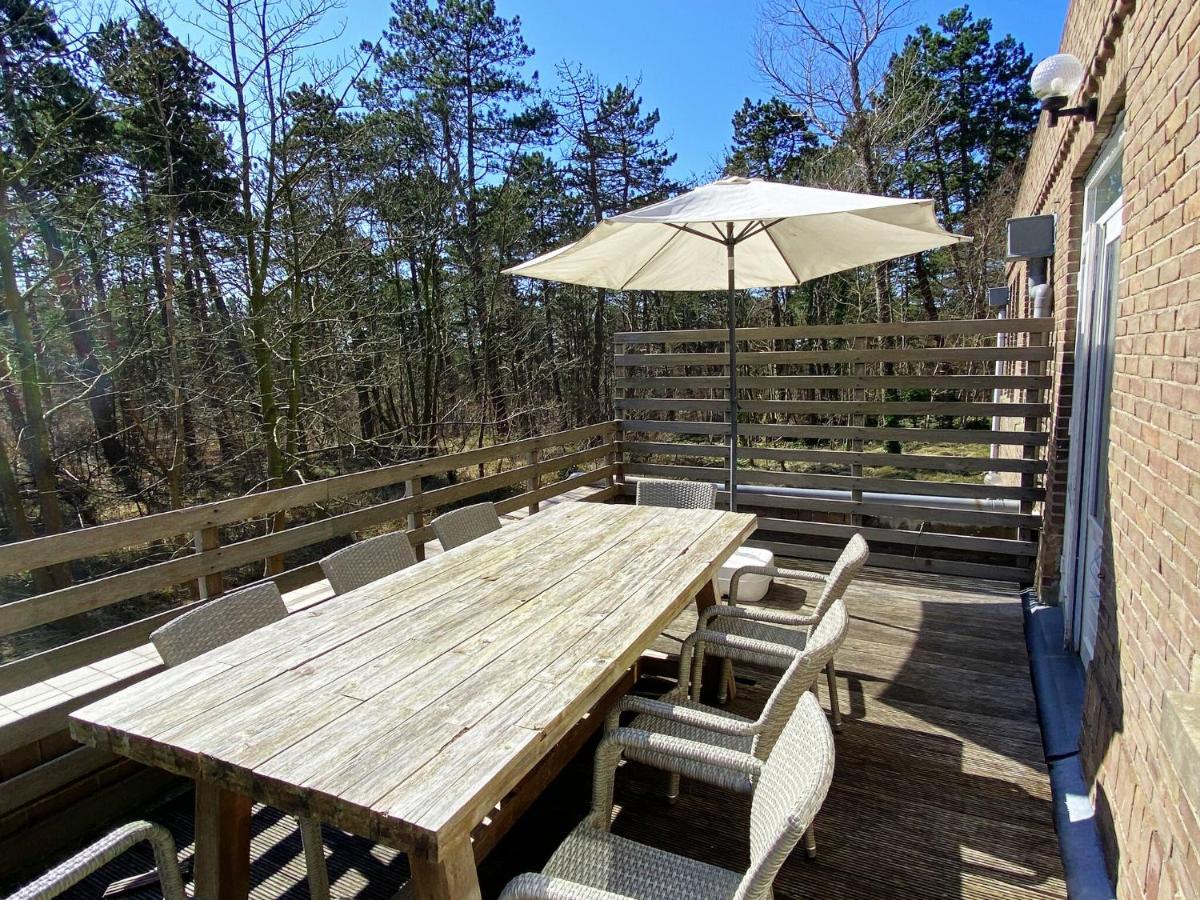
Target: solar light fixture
{"x": 1054, "y": 80}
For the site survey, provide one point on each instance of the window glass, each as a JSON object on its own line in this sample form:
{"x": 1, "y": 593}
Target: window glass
{"x": 1107, "y": 188}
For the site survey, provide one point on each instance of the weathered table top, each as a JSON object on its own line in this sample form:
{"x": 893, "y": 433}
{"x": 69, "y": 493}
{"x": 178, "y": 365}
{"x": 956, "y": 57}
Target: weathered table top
{"x": 405, "y": 710}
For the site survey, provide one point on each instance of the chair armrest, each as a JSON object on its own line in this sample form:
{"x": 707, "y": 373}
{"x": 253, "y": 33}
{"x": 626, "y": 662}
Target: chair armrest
{"x": 686, "y": 715}
{"x": 82, "y": 864}
{"x": 758, "y": 614}
{"x": 672, "y": 754}
{"x": 771, "y": 572}
{"x": 737, "y": 647}
{"x": 532, "y": 886}
{"x": 683, "y": 750}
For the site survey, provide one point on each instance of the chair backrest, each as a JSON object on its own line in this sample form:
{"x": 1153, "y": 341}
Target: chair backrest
{"x": 219, "y": 622}
{"x": 367, "y": 561}
{"x": 849, "y": 563}
{"x": 676, "y": 494}
{"x": 799, "y": 677}
{"x": 789, "y": 792}
{"x": 459, "y": 526}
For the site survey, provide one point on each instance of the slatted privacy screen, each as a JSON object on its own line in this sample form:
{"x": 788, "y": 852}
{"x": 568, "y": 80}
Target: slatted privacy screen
{"x": 927, "y": 437}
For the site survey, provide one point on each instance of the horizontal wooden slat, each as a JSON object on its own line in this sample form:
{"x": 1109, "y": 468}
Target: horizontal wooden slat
{"x": 69, "y": 601}
{"x": 801, "y": 357}
{"x": 891, "y": 511}
{"x": 845, "y": 432}
{"x": 85, "y": 651}
{"x": 53, "y": 719}
{"x": 39, "y": 781}
{"x": 1041, "y": 325}
{"x": 840, "y": 457}
{"x": 836, "y": 382}
{"x": 1020, "y": 574}
{"x": 999, "y": 546}
{"x": 72, "y": 545}
{"x": 841, "y": 407}
{"x": 63, "y": 832}
{"x": 840, "y": 482}
{"x": 895, "y": 511}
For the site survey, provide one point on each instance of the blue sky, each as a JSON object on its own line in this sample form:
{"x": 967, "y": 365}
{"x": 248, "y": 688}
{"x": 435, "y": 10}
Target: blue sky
{"x": 694, "y": 57}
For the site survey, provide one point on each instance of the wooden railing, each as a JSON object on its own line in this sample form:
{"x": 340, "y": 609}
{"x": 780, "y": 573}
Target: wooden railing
{"x": 818, "y": 405}
{"x": 203, "y": 550}
{"x": 211, "y": 557}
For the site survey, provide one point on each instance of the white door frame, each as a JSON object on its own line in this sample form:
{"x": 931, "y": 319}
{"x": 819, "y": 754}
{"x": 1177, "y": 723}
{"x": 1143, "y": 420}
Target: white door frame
{"x": 1087, "y": 480}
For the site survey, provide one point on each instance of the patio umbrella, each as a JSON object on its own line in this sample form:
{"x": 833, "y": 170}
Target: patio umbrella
{"x": 739, "y": 233}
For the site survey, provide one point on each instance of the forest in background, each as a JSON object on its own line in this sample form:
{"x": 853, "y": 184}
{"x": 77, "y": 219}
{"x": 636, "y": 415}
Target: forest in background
{"x": 238, "y": 264}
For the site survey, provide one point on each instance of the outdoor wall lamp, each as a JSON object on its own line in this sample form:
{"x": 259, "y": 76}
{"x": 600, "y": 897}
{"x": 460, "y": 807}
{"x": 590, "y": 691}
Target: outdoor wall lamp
{"x": 1054, "y": 80}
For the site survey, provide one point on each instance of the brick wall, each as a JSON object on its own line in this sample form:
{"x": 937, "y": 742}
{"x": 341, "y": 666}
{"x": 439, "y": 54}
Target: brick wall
{"x": 1143, "y": 58}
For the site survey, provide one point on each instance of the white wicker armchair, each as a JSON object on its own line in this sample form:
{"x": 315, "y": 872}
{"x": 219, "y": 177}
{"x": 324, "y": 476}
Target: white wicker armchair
{"x": 219, "y": 622}
{"x": 68, "y": 874}
{"x": 782, "y": 627}
{"x": 460, "y": 526}
{"x": 676, "y": 494}
{"x": 594, "y": 864}
{"x": 367, "y": 561}
{"x": 679, "y": 714}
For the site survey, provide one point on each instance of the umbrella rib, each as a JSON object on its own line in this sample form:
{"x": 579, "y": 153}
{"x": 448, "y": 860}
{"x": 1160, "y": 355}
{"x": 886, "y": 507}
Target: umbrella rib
{"x": 742, "y": 234}
{"x": 693, "y": 231}
{"x": 653, "y": 256}
{"x": 762, "y": 226}
{"x": 774, "y": 243}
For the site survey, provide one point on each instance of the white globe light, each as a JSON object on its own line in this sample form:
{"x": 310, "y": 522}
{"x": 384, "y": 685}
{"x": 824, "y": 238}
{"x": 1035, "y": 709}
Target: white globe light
{"x": 1059, "y": 75}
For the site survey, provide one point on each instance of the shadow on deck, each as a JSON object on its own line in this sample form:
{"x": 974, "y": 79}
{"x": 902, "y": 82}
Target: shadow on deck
{"x": 940, "y": 788}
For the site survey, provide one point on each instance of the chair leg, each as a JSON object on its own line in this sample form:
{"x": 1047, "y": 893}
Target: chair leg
{"x": 834, "y": 706}
{"x": 726, "y": 679}
{"x": 673, "y": 788}
{"x": 314, "y": 858}
{"x": 810, "y": 842}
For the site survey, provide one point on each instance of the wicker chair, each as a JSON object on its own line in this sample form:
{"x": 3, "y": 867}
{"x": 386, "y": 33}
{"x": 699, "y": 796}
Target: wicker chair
{"x": 781, "y": 627}
{"x": 367, "y": 561}
{"x": 676, "y": 494}
{"x": 460, "y": 526}
{"x": 65, "y": 876}
{"x": 219, "y": 622}
{"x": 594, "y": 864}
{"x": 679, "y": 714}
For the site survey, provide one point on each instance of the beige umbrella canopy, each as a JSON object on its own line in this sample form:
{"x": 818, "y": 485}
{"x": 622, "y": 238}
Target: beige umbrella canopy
{"x": 739, "y": 233}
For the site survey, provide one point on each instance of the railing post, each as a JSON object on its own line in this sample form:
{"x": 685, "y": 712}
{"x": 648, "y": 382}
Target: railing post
{"x": 1034, "y": 395}
{"x": 857, "y": 393}
{"x": 535, "y": 480}
{"x": 614, "y": 458}
{"x": 212, "y": 585}
{"x": 619, "y": 373}
{"x": 416, "y": 518}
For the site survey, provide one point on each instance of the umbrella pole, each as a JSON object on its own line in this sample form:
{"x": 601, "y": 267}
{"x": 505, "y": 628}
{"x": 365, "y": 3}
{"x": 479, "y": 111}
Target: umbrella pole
{"x": 733, "y": 397}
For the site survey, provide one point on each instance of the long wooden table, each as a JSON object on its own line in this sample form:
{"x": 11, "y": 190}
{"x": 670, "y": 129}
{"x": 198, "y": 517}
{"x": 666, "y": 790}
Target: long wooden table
{"x": 406, "y": 710}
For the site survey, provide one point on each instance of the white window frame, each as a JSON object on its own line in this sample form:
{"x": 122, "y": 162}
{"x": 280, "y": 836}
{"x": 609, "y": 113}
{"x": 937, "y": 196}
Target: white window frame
{"x": 1087, "y": 479}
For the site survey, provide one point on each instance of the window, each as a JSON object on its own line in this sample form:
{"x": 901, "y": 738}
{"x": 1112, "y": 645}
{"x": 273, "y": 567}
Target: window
{"x": 1085, "y": 536}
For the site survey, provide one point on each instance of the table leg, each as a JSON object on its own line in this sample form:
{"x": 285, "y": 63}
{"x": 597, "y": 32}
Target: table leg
{"x": 716, "y": 671}
{"x": 222, "y": 843}
{"x": 453, "y": 877}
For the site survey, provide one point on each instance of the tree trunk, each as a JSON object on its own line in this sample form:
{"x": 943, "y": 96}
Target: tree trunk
{"x": 37, "y": 444}
{"x": 101, "y": 391}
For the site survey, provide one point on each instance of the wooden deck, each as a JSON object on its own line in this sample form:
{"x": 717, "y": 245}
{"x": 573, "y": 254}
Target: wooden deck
{"x": 940, "y": 788}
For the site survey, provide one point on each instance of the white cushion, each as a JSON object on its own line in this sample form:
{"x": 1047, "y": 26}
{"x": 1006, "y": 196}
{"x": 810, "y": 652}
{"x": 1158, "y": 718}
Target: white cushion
{"x": 751, "y": 588}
